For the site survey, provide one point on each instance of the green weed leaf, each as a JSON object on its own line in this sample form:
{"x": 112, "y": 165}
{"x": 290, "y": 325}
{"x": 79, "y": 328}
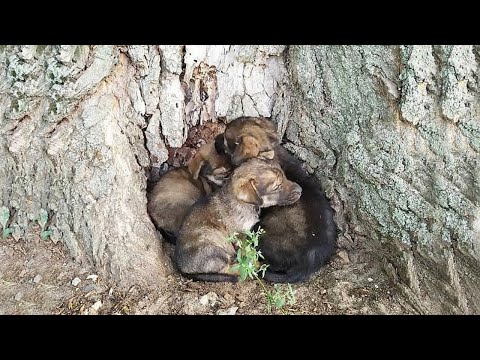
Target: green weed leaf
{"x": 243, "y": 273}
{"x": 6, "y": 232}
{"x": 4, "y": 216}
{"x": 45, "y": 234}
{"x": 248, "y": 264}
{"x": 43, "y": 218}
{"x": 279, "y": 302}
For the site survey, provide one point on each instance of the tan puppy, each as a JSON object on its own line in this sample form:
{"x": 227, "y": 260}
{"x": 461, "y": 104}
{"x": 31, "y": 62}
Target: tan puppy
{"x": 299, "y": 238}
{"x": 202, "y": 250}
{"x": 178, "y": 189}
{"x": 248, "y": 137}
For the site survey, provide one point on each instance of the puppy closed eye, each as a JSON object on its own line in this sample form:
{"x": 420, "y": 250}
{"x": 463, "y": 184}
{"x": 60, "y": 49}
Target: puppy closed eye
{"x": 276, "y": 187}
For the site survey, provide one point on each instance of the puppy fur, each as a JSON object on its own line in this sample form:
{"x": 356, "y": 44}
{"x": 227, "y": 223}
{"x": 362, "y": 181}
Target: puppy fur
{"x": 249, "y": 137}
{"x": 202, "y": 251}
{"x": 300, "y": 238}
{"x": 178, "y": 189}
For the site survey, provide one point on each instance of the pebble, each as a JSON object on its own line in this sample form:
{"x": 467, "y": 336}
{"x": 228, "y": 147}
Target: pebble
{"x": 229, "y": 311}
{"x": 92, "y": 277}
{"x": 369, "y": 279}
{"x": 93, "y": 310}
{"x": 344, "y": 256}
{"x": 204, "y": 300}
{"x": 97, "y": 305}
{"x": 37, "y": 279}
{"x": 76, "y": 281}
{"x": 88, "y": 287}
{"x": 210, "y": 298}
{"x": 18, "y": 296}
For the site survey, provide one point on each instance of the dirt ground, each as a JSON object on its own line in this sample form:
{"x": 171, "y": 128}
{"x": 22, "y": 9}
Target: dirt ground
{"x": 38, "y": 277}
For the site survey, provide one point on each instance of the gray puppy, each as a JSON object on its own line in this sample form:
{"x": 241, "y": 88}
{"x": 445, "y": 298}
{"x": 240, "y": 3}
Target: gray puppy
{"x": 202, "y": 251}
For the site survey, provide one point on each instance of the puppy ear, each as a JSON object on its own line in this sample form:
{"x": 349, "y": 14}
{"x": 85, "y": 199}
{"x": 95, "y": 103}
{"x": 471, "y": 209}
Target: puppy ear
{"x": 195, "y": 165}
{"x": 246, "y": 191}
{"x": 269, "y": 155}
{"x": 247, "y": 148}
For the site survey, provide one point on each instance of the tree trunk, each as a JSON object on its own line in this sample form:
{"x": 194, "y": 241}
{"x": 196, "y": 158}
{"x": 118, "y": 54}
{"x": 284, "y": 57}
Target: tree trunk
{"x": 392, "y": 132}
{"x": 73, "y": 144}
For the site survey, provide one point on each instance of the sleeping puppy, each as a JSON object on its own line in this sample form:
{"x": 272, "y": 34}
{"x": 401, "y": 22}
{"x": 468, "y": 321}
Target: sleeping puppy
{"x": 202, "y": 251}
{"x": 178, "y": 189}
{"x": 248, "y": 137}
{"x": 300, "y": 238}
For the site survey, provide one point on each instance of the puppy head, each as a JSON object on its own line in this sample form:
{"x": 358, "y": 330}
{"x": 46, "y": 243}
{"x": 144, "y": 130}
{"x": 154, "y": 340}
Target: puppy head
{"x": 249, "y": 137}
{"x": 210, "y": 164}
{"x": 263, "y": 183}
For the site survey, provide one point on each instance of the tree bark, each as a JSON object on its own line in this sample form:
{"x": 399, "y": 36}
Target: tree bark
{"x": 392, "y": 132}
{"x": 73, "y": 144}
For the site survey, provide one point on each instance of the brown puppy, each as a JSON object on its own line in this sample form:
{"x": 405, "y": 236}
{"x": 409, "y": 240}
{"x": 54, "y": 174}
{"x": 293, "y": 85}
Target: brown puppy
{"x": 299, "y": 238}
{"x": 202, "y": 251}
{"x": 178, "y": 189}
{"x": 248, "y": 137}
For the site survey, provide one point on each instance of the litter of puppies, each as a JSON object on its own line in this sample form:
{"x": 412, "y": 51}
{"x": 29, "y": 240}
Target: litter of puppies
{"x": 241, "y": 180}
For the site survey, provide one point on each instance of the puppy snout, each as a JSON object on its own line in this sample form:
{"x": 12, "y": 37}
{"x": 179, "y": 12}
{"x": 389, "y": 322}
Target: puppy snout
{"x": 237, "y": 159}
{"x": 297, "y": 189}
{"x": 296, "y": 192}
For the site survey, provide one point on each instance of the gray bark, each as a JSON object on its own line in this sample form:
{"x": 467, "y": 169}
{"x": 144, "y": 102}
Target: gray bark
{"x": 392, "y": 132}
{"x": 73, "y": 144}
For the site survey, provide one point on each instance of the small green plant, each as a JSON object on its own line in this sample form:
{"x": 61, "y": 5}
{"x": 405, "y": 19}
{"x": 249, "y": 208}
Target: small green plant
{"x": 43, "y": 222}
{"x": 247, "y": 255}
{"x": 248, "y": 265}
{"x": 278, "y": 298}
{"x": 4, "y": 216}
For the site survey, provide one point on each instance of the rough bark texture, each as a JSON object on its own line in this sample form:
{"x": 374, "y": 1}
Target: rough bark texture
{"x": 392, "y": 132}
{"x": 72, "y": 144}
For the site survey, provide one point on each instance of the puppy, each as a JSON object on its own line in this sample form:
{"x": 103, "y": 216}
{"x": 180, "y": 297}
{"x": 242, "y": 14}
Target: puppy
{"x": 300, "y": 238}
{"x": 248, "y": 137}
{"x": 178, "y": 189}
{"x": 202, "y": 251}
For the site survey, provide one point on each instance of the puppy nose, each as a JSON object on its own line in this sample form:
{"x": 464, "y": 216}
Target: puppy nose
{"x": 297, "y": 190}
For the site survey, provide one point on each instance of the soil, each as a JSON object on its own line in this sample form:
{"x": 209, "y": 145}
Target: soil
{"x": 39, "y": 277}
{"x": 36, "y": 278}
